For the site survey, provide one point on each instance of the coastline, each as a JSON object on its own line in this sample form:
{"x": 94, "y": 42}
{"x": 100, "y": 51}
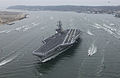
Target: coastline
{"x": 7, "y": 17}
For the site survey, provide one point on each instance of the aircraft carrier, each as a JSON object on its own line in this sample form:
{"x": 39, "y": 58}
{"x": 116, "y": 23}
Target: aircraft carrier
{"x": 57, "y": 43}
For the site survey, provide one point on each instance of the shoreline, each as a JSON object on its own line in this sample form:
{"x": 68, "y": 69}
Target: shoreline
{"x": 7, "y": 17}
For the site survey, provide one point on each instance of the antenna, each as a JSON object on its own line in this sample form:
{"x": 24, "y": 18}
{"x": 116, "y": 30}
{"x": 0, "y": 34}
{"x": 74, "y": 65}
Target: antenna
{"x": 59, "y": 24}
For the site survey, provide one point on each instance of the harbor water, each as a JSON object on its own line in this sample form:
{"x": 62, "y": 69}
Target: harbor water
{"x": 96, "y": 55}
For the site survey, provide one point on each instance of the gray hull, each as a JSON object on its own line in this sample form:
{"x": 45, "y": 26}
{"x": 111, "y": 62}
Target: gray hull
{"x": 56, "y": 44}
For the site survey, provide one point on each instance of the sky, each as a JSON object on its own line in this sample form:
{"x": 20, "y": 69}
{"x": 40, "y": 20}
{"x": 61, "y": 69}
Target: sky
{"x": 60, "y": 2}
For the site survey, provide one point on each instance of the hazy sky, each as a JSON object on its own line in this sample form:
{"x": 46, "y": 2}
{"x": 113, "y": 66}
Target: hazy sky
{"x": 59, "y": 2}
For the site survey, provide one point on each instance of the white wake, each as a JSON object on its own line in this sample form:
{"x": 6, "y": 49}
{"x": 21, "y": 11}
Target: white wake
{"x": 89, "y": 33}
{"x": 8, "y": 58}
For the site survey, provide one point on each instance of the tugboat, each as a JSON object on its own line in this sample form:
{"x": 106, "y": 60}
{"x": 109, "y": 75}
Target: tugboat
{"x": 57, "y": 43}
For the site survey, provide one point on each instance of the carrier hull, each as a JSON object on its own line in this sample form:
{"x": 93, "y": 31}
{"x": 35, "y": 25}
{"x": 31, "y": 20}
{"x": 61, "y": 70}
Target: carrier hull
{"x": 52, "y": 54}
{"x": 57, "y": 43}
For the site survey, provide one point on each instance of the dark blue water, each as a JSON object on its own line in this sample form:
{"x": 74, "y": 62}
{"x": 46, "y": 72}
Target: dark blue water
{"x": 95, "y": 56}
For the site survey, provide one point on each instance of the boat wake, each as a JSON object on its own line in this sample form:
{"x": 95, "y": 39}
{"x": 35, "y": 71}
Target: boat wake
{"x": 35, "y": 24}
{"x": 21, "y": 28}
{"x": 26, "y": 27}
{"x": 112, "y": 30}
{"x": 101, "y": 67}
{"x": 5, "y": 31}
{"x": 96, "y": 25}
{"x": 8, "y": 58}
{"x": 89, "y": 33}
{"x": 102, "y": 62}
{"x": 16, "y": 29}
{"x": 92, "y": 50}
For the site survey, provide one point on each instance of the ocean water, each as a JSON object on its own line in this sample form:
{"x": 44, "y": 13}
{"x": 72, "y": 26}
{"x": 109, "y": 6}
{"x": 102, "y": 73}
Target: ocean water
{"x": 96, "y": 55}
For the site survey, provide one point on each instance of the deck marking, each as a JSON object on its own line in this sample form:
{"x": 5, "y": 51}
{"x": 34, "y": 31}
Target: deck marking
{"x": 66, "y": 36}
{"x": 70, "y": 35}
{"x": 73, "y": 35}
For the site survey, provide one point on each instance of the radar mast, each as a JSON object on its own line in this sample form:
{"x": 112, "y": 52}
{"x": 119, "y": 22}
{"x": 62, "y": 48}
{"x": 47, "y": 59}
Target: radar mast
{"x": 60, "y": 29}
